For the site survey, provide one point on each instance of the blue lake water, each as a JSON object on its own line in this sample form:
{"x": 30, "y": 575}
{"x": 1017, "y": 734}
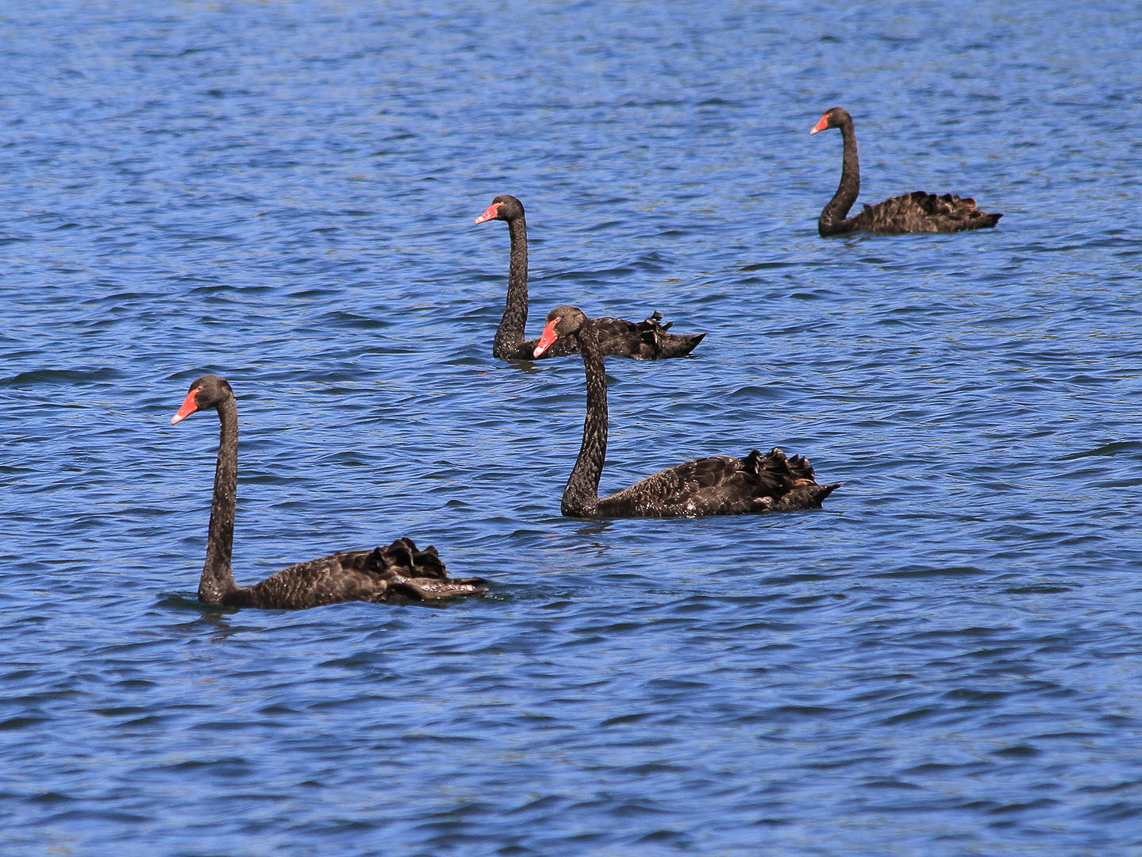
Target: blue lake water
{"x": 944, "y": 660}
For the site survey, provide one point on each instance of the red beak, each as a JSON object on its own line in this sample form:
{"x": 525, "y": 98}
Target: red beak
{"x": 821, "y": 125}
{"x": 549, "y": 336}
{"x": 189, "y": 406}
{"x": 490, "y": 214}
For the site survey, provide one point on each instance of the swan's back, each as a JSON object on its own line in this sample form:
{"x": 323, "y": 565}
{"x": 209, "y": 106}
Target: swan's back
{"x": 397, "y": 572}
{"x": 919, "y": 212}
{"x": 722, "y": 485}
{"x": 643, "y": 340}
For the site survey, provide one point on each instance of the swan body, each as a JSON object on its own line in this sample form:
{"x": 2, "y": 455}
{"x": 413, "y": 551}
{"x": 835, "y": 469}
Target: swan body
{"x": 916, "y": 212}
{"x": 644, "y": 340}
{"x": 721, "y": 485}
{"x": 398, "y": 571}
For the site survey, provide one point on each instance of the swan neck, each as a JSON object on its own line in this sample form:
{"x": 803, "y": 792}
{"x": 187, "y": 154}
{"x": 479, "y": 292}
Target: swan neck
{"x": 581, "y": 496}
{"x": 832, "y": 218}
{"x": 510, "y": 335}
{"x": 217, "y": 577}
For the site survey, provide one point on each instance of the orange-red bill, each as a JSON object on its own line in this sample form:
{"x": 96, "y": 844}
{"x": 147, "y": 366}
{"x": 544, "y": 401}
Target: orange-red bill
{"x": 490, "y": 214}
{"x": 189, "y": 406}
{"x": 821, "y": 125}
{"x": 549, "y": 336}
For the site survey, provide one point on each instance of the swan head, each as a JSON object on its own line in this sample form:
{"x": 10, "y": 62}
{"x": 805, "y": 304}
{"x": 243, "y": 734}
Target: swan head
{"x": 206, "y": 392}
{"x": 562, "y": 321}
{"x": 503, "y": 207}
{"x": 834, "y": 117}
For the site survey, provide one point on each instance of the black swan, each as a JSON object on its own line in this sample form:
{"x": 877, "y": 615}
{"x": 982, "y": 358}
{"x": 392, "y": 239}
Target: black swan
{"x": 646, "y": 340}
{"x": 398, "y": 571}
{"x": 916, "y": 212}
{"x": 722, "y": 485}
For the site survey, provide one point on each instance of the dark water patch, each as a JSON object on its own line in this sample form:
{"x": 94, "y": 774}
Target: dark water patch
{"x": 1020, "y": 751}
{"x": 22, "y": 722}
{"x": 931, "y": 571}
{"x": 63, "y": 377}
{"x": 1108, "y": 449}
{"x": 1039, "y": 589}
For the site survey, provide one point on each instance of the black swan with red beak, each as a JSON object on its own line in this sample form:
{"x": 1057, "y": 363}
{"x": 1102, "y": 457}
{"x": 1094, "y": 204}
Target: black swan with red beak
{"x": 644, "y": 340}
{"x": 916, "y": 212}
{"x": 722, "y": 485}
{"x": 397, "y": 572}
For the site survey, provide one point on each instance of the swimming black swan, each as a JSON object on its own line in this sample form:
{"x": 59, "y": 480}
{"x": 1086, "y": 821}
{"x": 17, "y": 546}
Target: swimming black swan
{"x": 705, "y": 486}
{"x": 398, "y": 571}
{"x": 646, "y": 340}
{"x": 915, "y": 212}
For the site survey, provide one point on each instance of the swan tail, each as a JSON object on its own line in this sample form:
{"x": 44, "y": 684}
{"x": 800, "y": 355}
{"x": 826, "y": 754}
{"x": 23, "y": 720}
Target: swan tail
{"x": 809, "y": 496}
{"x": 431, "y": 589}
{"x": 794, "y": 474}
{"x": 419, "y": 575}
{"x": 659, "y": 344}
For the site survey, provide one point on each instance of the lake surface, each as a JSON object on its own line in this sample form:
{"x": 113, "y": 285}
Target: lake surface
{"x": 945, "y": 660}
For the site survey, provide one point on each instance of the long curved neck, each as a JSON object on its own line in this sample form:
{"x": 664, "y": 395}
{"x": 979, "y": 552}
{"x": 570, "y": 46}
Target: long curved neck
{"x": 217, "y": 578}
{"x": 510, "y": 334}
{"x": 581, "y": 496}
{"x": 832, "y": 218}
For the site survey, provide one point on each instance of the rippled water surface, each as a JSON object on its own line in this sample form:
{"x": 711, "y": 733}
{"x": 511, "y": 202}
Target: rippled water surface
{"x": 945, "y": 660}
